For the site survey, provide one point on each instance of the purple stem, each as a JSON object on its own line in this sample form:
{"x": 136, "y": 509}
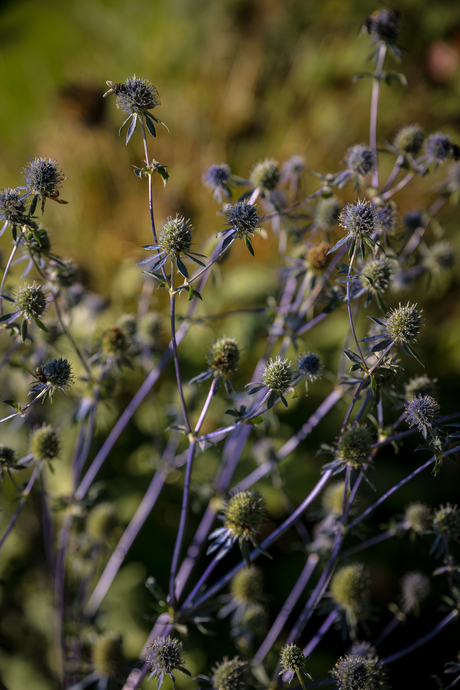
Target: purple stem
{"x": 328, "y": 623}
{"x": 374, "y": 109}
{"x": 48, "y": 531}
{"x": 422, "y": 640}
{"x": 24, "y": 496}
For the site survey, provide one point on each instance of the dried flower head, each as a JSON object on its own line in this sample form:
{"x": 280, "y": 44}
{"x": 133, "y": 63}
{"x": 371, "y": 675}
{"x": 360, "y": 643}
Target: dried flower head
{"x": 418, "y": 517}
{"x": 361, "y": 160}
{"x": 30, "y": 301}
{"x": 266, "y": 175}
{"x": 136, "y": 96}
{"x": 317, "y": 257}
{"x": 230, "y": 674}
{"x": 410, "y": 139}
{"x": 354, "y": 672}
{"x": 355, "y": 446}
{"x": 223, "y": 357}
{"x": 439, "y": 147}
{"x": 44, "y": 443}
{"x": 164, "y": 656}
{"x": 415, "y": 587}
{"x": 403, "y": 324}
{"x": 107, "y": 655}
{"x": 12, "y": 205}
{"x": 217, "y": 179}
{"x": 327, "y": 212}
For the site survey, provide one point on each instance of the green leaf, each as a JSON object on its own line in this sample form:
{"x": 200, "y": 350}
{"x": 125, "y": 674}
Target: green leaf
{"x": 193, "y": 293}
{"x": 150, "y": 126}
{"x": 410, "y": 351}
{"x": 352, "y": 356}
{"x": 13, "y": 403}
{"x": 24, "y": 330}
{"x": 41, "y": 325}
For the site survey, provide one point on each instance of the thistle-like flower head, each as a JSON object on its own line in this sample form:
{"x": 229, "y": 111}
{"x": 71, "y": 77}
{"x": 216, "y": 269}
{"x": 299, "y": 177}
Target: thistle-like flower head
{"x": 376, "y": 275}
{"x": 421, "y": 411}
{"x": 293, "y": 661}
{"x": 30, "y": 301}
{"x": 230, "y": 674}
{"x": 247, "y": 585}
{"x": 217, "y": 179}
{"x": 410, "y": 139}
{"x": 266, "y": 175}
{"x": 135, "y": 95}
{"x": 58, "y": 374}
{"x": 245, "y": 514}
{"x": 44, "y": 443}
{"x": 107, "y": 655}
{"x": 43, "y": 178}
{"x": 12, "y": 205}
{"x": 7, "y": 459}
{"x": 354, "y": 672}
{"x": 415, "y": 587}
{"x": 223, "y": 357}
{"x": 418, "y": 517}
{"x": 175, "y": 237}
{"x": 164, "y": 656}
{"x": 361, "y": 160}
{"x": 439, "y": 147}
{"x": 359, "y": 219}
{"x": 403, "y": 324}
{"x": 310, "y": 366}
{"x": 327, "y": 212}
{"x": 355, "y": 446}
{"x": 277, "y": 376}
{"x": 243, "y": 218}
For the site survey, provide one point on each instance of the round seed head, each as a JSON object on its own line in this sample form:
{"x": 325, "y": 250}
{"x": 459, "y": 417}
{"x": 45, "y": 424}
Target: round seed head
{"x": 355, "y": 446}
{"x": 244, "y": 514}
{"x": 439, "y": 147}
{"x": 327, "y": 212}
{"x": 44, "y": 443}
{"x": 223, "y": 357}
{"x": 266, "y": 175}
{"x": 353, "y": 672}
{"x": 164, "y": 655}
{"x": 376, "y": 276}
{"x": 12, "y": 205}
{"x": 420, "y": 385}
{"x": 292, "y": 658}
{"x": 441, "y": 257}
{"x": 102, "y": 521}
{"x": 421, "y": 410}
{"x": 317, "y": 257}
{"x": 359, "y": 219}
{"x": 230, "y": 674}
{"x": 404, "y": 323}
{"x": 361, "y": 160}
{"x": 58, "y": 372}
{"x": 418, "y": 517}
{"x": 107, "y": 656}
{"x": 30, "y": 301}
{"x": 243, "y": 218}
{"x": 410, "y": 139}
{"x": 310, "y": 365}
{"x": 136, "y": 96}
{"x": 247, "y": 585}
{"x": 43, "y": 176}
{"x": 277, "y": 376}
{"x": 350, "y": 589}
{"x": 217, "y": 179}
{"x": 7, "y": 459}
{"x": 176, "y": 236}
{"x": 415, "y": 587}
{"x": 446, "y": 522}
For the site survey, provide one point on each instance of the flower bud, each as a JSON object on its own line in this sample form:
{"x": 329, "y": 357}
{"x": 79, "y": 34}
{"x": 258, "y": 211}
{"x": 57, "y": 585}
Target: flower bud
{"x": 266, "y": 175}
{"x": 355, "y": 446}
{"x": 44, "y": 443}
{"x": 230, "y": 674}
{"x": 247, "y": 585}
{"x": 30, "y": 301}
{"x": 404, "y": 323}
{"x": 223, "y": 357}
{"x": 410, "y": 139}
{"x": 277, "y": 376}
{"x": 244, "y": 514}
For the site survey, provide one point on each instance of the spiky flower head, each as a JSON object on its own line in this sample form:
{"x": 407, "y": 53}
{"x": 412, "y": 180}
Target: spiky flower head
{"x": 247, "y": 585}
{"x": 63, "y": 272}
{"x": 217, "y": 178}
{"x": 243, "y": 218}
{"x": 102, "y": 520}
{"x": 43, "y": 177}
{"x": 253, "y": 621}
{"x": 292, "y": 170}
{"x": 403, "y": 324}
{"x": 230, "y": 674}
{"x": 386, "y": 216}
{"x": 415, "y": 587}
{"x": 223, "y": 357}
{"x": 414, "y": 219}
{"x": 244, "y": 514}
{"x": 58, "y": 373}
{"x": 12, "y": 205}
{"x": 446, "y": 522}
{"x": 359, "y": 219}
{"x": 317, "y": 257}
{"x": 440, "y": 258}
{"x": 350, "y": 590}
{"x": 354, "y": 672}
{"x": 361, "y": 160}
{"x": 420, "y": 385}
{"x": 30, "y": 301}
{"x": 175, "y": 237}
{"x": 115, "y": 341}
{"x": 418, "y": 517}
{"x": 7, "y": 459}
{"x": 376, "y": 275}
{"x": 355, "y": 446}
{"x": 327, "y": 212}
{"x": 266, "y": 175}
{"x": 439, "y": 147}
{"x": 277, "y": 376}
{"x": 410, "y": 139}
{"x": 136, "y": 95}
{"x": 363, "y": 648}
{"x": 421, "y": 411}
{"x": 310, "y": 366}
{"x": 44, "y": 443}
{"x": 164, "y": 656}
{"x": 292, "y": 659}
{"x": 107, "y": 655}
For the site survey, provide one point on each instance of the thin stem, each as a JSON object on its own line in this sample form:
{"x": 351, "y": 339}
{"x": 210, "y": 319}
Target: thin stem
{"x": 206, "y": 406}
{"x": 172, "y": 303}
{"x": 422, "y": 640}
{"x": 146, "y": 153}
{"x": 24, "y": 496}
{"x": 7, "y": 268}
{"x": 374, "y": 109}
{"x": 350, "y": 315}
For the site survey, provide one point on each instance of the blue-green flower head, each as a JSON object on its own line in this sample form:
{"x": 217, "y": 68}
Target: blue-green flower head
{"x": 223, "y": 357}
{"x": 44, "y": 443}
{"x": 420, "y": 385}
{"x": 410, "y": 139}
{"x": 31, "y": 302}
{"x": 43, "y": 177}
{"x": 58, "y": 373}
{"x": 327, "y": 213}
{"x": 175, "y": 237}
{"x": 164, "y": 656}
{"x": 446, "y": 522}
{"x": 386, "y": 216}
{"x": 243, "y": 218}
{"x": 310, "y": 366}
{"x": 418, "y": 517}
{"x": 439, "y": 148}
{"x": 266, "y": 175}
{"x": 383, "y": 25}
{"x": 292, "y": 170}
{"x": 355, "y": 445}
{"x": 245, "y": 514}
{"x": 413, "y": 220}
{"x": 7, "y": 459}
{"x": 354, "y": 672}
{"x": 421, "y": 411}
{"x": 361, "y": 160}
{"x": 230, "y": 674}
{"x": 292, "y": 659}
{"x": 277, "y": 376}
{"x": 217, "y": 179}
{"x": 376, "y": 275}
{"x": 404, "y": 323}
{"x": 441, "y": 257}
{"x": 359, "y": 219}
{"x": 350, "y": 590}
{"x": 136, "y": 96}
{"x": 12, "y": 205}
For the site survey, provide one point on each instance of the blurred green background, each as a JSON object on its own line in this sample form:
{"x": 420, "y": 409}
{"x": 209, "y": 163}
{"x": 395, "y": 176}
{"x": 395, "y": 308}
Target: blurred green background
{"x": 239, "y": 80}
